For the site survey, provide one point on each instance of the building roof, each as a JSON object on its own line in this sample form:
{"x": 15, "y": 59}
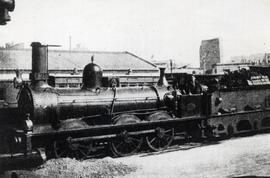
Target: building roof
{"x": 188, "y": 70}
{"x": 60, "y": 59}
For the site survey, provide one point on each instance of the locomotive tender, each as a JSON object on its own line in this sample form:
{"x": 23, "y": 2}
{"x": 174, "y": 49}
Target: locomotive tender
{"x": 77, "y": 122}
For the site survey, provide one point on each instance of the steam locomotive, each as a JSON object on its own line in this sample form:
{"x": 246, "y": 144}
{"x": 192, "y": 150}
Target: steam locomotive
{"x": 78, "y": 122}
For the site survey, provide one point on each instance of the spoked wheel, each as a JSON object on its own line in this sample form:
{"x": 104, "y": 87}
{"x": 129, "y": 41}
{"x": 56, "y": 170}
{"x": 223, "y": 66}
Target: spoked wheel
{"x": 82, "y": 150}
{"x": 78, "y": 150}
{"x": 163, "y": 137}
{"x": 126, "y": 144}
{"x": 61, "y": 149}
{"x": 161, "y": 140}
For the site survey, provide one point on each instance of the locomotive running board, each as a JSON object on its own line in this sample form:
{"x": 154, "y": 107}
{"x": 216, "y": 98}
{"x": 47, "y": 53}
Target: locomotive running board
{"x": 144, "y": 125}
{"x": 104, "y": 137}
{"x": 35, "y": 140}
{"x": 109, "y": 131}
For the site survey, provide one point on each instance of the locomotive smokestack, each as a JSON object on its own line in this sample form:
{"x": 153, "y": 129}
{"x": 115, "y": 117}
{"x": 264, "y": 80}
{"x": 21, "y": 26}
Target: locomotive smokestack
{"x": 39, "y": 73}
{"x": 162, "y": 80}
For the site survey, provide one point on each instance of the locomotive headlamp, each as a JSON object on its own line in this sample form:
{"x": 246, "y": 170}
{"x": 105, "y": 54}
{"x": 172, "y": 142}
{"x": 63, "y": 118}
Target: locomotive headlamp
{"x": 6, "y": 6}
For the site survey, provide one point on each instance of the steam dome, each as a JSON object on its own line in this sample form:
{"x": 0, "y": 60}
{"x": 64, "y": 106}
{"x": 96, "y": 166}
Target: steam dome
{"x": 92, "y": 76}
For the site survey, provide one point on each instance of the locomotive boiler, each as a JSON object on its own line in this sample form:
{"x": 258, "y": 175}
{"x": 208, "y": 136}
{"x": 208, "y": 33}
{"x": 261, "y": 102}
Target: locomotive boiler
{"x": 43, "y": 104}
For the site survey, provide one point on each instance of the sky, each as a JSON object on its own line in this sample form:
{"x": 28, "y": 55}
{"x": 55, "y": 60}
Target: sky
{"x": 151, "y": 29}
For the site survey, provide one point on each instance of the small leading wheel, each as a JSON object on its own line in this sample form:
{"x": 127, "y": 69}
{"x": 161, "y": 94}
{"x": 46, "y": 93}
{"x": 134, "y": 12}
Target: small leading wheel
{"x": 126, "y": 144}
{"x": 163, "y": 136}
{"x": 230, "y": 131}
{"x": 161, "y": 139}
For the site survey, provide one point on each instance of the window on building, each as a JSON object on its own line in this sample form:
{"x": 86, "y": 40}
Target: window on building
{"x": 74, "y": 85}
{"x": 62, "y": 85}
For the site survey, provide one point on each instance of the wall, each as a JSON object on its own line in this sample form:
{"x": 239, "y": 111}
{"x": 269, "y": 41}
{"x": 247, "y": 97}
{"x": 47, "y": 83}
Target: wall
{"x": 239, "y": 99}
{"x": 221, "y": 68}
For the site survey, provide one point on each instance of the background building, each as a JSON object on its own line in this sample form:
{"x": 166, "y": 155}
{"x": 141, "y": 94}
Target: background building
{"x": 209, "y": 54}
{"x": 222, "y": 68}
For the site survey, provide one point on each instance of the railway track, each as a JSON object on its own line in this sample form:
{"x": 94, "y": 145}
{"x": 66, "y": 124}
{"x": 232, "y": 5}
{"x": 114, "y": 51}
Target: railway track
{"x": 18, "y": 161}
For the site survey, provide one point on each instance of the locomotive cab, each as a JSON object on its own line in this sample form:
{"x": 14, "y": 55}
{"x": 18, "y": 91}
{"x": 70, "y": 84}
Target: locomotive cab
{"x": 192, "y": 98}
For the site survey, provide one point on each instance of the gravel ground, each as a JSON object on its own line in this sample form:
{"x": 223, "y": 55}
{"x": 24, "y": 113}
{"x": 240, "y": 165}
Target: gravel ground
{"x": 66, "y": 167}
{"x": 247, "y": 156}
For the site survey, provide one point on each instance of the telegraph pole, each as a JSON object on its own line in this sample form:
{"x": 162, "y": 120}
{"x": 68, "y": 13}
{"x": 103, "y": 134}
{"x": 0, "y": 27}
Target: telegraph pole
{"x": 69, "y": 43}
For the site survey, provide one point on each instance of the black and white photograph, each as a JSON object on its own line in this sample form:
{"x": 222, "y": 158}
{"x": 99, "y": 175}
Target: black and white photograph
{"x": 134, "y": 89}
